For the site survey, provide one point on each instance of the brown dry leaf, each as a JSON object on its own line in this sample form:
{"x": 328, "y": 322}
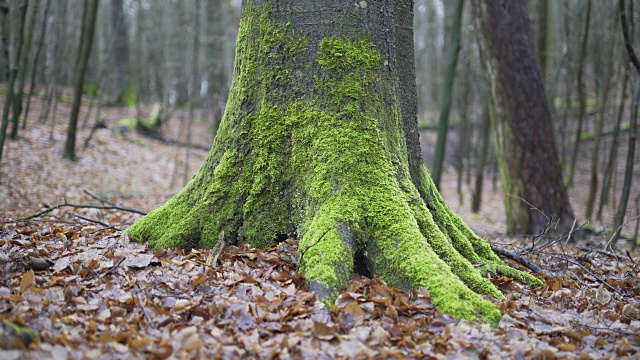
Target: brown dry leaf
{"x": 323, "y": 332}
{"x": 603, "y": 296}
{"x": 27, "y": 280}
{"x": 199, "y": 280}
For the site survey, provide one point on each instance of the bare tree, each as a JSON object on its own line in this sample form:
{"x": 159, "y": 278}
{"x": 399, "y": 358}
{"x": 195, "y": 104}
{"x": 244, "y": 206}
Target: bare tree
{"x": 82, "y": 60}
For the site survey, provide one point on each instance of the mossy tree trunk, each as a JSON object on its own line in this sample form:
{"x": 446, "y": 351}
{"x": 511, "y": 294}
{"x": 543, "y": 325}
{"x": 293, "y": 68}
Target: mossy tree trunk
{"x": 319, "y": 142}
{"x": 530, "y": 171}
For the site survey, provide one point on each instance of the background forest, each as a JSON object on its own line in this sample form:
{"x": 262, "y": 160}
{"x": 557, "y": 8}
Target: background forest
{"x": 153, "y": 88}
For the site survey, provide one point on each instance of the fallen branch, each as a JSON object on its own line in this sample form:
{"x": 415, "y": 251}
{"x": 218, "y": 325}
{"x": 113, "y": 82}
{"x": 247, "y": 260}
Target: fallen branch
{"x": 600, "y": 280}
{"x": 589, "y": 249}
{"x": 79, "y": 206}
{"x": 96, "y": 222}
{"x": 515, "y": 257}
{"x": 144, "y": 310}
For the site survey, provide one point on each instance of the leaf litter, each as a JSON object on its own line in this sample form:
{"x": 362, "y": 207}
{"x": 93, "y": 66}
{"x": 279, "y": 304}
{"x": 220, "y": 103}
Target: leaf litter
{"x": 86, "y": 292}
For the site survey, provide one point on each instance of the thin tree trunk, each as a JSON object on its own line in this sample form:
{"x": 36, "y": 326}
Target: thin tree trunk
{"x": 34, "y": 65}
{"x": 5, "y": 35}
{"x": 482, "y": 156}
{"x": 12, "y": 78}
{"x": 447, "y": 91}
{"x": 606, "y": 78}
{"x": 23, "y": 68}
{"x": 86, "y": 41}
{"x": 628, "y": 170}
{"x": 582, "y": 96}
{"x": 613, "y": 152}
{"x": 194, "y": 89}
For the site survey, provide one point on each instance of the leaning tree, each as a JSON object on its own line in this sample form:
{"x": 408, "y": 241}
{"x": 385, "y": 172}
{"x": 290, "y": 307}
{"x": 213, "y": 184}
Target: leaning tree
{"x": 319, "y": 141}
{"x": 534, "y": 194}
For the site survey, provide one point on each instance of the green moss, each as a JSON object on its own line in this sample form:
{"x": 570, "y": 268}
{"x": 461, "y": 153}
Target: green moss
{"x": 25, "y": 334}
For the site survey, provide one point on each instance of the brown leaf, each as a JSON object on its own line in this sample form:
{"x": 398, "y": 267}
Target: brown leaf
{"x": 323, "y": 332}
{"x": 603, "y": 296}
{"x": 27, "y": 280}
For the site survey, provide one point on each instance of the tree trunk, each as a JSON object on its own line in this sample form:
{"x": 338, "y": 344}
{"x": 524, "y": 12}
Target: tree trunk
{"x": 5, "y": 62}
{"x": 23, "y": 69}
{"x": 12, "y": 79}
{"x": 527, "y": 157}
{"x": 447, "y": 91}
{"x": 34, "y": 66}
{"x": 541, "y": 40}
{"x": 604, "y": 79}
{"x": 476, "y": 199}
{"x": 613, "y": 151}
{"x": 313, "y": 145}
{"x": 123, "y": 86}
{"x": 86, "y": 41}
{"x": 582, "y": 96}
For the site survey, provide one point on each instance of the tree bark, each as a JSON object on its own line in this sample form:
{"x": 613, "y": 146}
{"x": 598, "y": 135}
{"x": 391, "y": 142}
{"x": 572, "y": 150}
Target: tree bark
{"x": 12, "y": 79}
{"x": 123, "y": 86}
{"x": 23, "y": 68}
{"x": 86, "y": 41}
{"x": 454, "y": 44}
{"x": 5, "y": 62}
{"x": 313, "y": 145}
{"x": 527, "y": 157}
{"x": 34, "y": 66}
{"x": 582, "y": 96}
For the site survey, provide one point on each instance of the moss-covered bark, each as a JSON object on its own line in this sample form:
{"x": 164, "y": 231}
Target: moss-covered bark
{"x": 312, "y": 145}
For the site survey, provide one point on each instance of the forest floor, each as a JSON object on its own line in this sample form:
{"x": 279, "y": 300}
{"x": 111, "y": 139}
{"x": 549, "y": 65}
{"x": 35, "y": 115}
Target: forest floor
{"x": 103, "y": 297}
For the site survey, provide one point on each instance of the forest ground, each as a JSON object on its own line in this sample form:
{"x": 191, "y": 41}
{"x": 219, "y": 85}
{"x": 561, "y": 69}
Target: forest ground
{"x": 106, "y": 297}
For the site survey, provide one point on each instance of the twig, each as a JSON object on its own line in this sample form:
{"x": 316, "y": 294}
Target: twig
{"x": 589, "y": 249}
{"x": 79, "y": 206}
{"x": 515, "y": 257}
{"x": 600, "y": 280}
{"x": 626, "y": 333}
{"x": 98, "y": 198}
{"x": 302, "y": 253}
{"x": 96, "y": 222}
{"x": 122, "y": 259}
{"x": 144, "y": 310}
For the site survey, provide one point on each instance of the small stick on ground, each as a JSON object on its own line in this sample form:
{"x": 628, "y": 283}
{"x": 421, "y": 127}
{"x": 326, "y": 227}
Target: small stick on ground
{"x": 144, "y": 310}
{"x": 515, "y": 257}
{"x": 79, "y": 206}
{"x": 96, "y": 222}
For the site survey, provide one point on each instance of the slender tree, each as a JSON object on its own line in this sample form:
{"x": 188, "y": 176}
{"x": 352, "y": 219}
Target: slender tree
{"x": 34, "y": 67}
{"x": 319, "y": 141}
{"x": 12, "y": 77}
{"x": 454, "y": 44}
{"x": 582, "y": 95}
{"x": 123, "y": 84}
{"x": 633, "y": 129}
{"x": 86, "y": 41}
{"x": 529, "y": 167}
{"x": 5, "y": 62}
{"x": 23, "y": 68}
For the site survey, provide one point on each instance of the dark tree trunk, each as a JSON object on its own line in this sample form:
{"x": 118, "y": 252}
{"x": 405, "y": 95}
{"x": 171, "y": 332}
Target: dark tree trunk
{"x": 5, "y": 62}
{"x": 23, "y": 68}
{"x": 13, "y": 74}
{"x": 122, "y": 84}
{"x": 454, "y": 45}
{"x": 318, "y": 142}
{"x": 86, "y": 41}
{"x": 529, "y": 167}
